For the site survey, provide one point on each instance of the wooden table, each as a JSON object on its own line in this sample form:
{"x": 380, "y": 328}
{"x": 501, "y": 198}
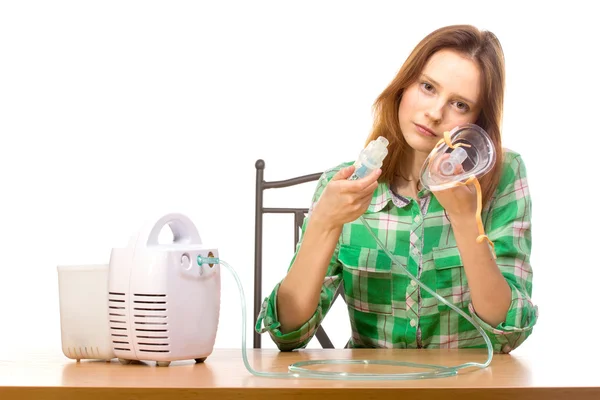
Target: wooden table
{"x": 224, "y": 376}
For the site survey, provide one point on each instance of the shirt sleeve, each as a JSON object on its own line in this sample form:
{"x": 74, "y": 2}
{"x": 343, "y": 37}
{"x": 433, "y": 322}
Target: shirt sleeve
{"x": 268, "y": 320}
{"x": 509, "y": 228}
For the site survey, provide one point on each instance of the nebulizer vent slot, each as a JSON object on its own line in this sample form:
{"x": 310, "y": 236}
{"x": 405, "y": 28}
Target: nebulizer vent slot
{"x": 151, "y": 311}
{"x": 118, "y": 321}
{"x": 118, "y": 332}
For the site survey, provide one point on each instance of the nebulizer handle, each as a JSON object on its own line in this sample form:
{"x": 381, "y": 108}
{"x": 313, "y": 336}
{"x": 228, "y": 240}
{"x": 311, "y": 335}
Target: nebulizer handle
{"x": 369, "y": 159}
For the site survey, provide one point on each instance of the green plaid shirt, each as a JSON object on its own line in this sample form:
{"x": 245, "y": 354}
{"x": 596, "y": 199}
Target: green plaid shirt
{"x": 386, "y": 308}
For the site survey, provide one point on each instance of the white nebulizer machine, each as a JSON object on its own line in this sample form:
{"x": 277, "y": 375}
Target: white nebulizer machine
{"x": 152, "y": 302}
{"x": 161, "y": 302}
{"x": 163, "y": 305}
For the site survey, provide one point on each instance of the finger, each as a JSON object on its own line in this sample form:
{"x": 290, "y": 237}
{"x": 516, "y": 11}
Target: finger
{"x": 360, "y": 184}
{"x": 368, "y": 191}
{"x": 343, "y": 173}
{"x": 366, "y": 200}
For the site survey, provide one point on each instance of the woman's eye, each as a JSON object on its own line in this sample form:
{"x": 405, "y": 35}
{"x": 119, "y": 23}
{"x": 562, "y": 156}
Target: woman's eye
{"x": 462, "y": 106}
{"x": 427, "y": 86}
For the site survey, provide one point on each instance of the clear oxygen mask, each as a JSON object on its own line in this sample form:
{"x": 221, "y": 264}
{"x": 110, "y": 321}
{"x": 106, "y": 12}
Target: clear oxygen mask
{"x": 465, "y": 152}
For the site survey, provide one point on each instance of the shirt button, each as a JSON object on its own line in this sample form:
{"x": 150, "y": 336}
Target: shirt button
{"x": 413, "y": 283}
{"x": 413, "y": 323}
{"x": 417, "y": 219}
{"x": 415, "y": 251}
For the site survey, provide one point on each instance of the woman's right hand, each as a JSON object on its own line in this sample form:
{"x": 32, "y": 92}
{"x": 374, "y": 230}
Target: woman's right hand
{"x": 344, "y": 201}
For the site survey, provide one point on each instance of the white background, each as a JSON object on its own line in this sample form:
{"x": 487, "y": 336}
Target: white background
{"x": 115, "y": 111}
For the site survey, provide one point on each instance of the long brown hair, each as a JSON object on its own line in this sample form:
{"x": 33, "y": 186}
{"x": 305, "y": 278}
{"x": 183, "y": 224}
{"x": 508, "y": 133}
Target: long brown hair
{"x": 482, "y": 47}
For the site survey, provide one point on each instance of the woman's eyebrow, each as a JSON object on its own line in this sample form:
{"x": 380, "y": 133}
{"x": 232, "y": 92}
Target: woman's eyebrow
{"x": 427, "y": 77}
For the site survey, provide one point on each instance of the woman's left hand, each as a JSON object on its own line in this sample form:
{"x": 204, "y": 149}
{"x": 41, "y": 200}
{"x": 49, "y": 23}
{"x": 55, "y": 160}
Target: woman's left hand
{"x": 459, "y": 201}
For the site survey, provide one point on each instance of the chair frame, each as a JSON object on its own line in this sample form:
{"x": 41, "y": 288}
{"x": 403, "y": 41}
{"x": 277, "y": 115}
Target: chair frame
{"x": 260, "y": 210}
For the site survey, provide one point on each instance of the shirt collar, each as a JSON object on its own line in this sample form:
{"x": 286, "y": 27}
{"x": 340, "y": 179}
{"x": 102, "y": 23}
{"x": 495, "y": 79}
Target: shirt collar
{"x": 383, "y": 195}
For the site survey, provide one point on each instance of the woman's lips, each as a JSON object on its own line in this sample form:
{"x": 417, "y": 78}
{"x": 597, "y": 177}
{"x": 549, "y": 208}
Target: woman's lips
{"x": 424, "y": 131}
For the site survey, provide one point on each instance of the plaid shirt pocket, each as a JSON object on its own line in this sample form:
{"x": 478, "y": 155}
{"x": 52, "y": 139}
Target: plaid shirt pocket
{"x": 450, "y": 278}
{"x": 367, "y": 279}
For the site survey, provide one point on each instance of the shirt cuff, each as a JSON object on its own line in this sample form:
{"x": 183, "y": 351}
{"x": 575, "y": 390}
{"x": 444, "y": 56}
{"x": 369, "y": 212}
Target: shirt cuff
{"x": 268, "y": 322}
{"x": 520, "y": 319}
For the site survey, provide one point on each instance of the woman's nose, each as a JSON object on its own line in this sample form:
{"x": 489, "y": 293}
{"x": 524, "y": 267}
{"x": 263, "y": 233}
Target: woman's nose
{"x": 434, "y": 113}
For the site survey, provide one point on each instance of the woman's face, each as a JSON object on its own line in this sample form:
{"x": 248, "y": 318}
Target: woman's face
{"x": 447, "y": 94}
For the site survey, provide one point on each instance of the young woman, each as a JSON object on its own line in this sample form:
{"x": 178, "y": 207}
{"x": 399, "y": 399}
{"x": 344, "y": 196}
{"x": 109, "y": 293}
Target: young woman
{"x": 454, "y": 76}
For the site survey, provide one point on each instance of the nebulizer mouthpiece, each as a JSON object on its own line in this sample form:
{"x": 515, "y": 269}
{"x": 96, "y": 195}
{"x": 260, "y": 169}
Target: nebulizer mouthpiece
{"x": 450, "y": 165}
{"x": 465, "y": 152}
